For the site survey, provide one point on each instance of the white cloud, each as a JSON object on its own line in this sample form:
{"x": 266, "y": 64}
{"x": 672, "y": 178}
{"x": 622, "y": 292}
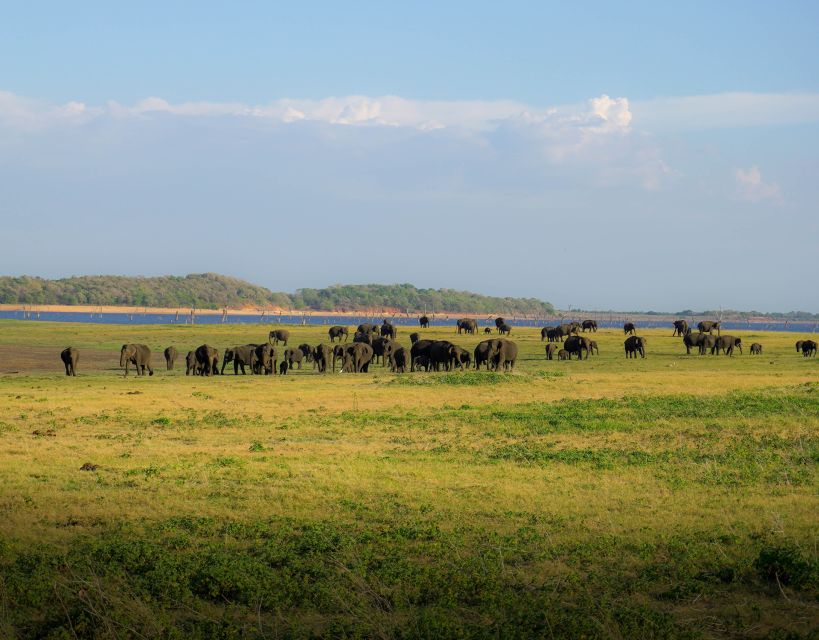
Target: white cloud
{"x": 751, "y": 186}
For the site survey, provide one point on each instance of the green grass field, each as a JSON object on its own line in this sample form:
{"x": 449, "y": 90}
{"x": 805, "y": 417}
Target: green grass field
{"x": 671, "y": 497}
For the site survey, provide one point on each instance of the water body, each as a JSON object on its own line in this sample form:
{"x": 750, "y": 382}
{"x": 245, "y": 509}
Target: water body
{"x": 352, "y": 321}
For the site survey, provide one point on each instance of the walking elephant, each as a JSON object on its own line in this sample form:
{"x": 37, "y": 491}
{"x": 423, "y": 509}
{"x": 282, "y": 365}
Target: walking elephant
{"x": 279, "y": 335}
{"x": 707, "y": 343}
{"x": 481, "y": 353}
{"x": 551, "y": 349}
{"x": 504, "y": 329}
{"x": 441, "y": 352}
{"x": 808, "y": 348}
{"x": 207, "y": 360}
{"x": 756, "y": 349}
{"x": 635, "y": 345}
{"x": 708, "y": 326}
{"x": 338, "y": 332}
{"x": 589, "y": 325}
{"x": 70, "y": 357}
{"x": 680, "y": 328}
{"x": 499, "y": 322}
{"x": 692, "y": 340}
{"x": 292, "y": 356}
{"x": 170, "y": 357}
{"x": 726, "y": 344}
{"x": 629, "y": 327}
{"x": 593, "y": 349}
{"x": 467, "y": 325}
{"x": 137, "y": 354}
{"x": 462, "y": 359}
{"x": 242, "y": 356}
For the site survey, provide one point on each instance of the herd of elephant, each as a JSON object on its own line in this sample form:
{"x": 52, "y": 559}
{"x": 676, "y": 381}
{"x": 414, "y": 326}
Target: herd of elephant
{"x": 372, "y": 343}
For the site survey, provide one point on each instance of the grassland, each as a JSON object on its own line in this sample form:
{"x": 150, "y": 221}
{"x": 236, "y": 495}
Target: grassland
{"x": 671, "y": 497}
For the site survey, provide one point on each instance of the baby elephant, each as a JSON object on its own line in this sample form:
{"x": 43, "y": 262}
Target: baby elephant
{"x": 551, "y": 349}
{"x": 563, "y": 355}
{"x": 756, "y": 349}
{"x": 283, "y": 368}
{"x": 70, "y": 357}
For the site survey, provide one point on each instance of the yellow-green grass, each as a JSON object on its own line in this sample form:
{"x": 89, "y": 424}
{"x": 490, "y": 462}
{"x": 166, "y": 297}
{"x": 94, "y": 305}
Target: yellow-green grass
{"x": 674, "y": 496}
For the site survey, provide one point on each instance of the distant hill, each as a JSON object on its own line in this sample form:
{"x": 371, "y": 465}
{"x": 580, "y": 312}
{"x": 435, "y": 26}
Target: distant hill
{"x": 214, "y": 291}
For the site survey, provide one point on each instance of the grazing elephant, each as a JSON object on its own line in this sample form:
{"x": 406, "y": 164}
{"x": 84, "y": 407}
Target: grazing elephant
{"x": 808, "y": 348}
{"x": 482, "y": 353}
{"x": 503, "y": 354}
{"x": 420, "y": 348}
{"x": 414, "y": 337}
{"x": 279, "y": 335}
{"x": 756, "y": 349}
{"x": 420, "y": 362}
{"x": 387, "y": 330}
{"x": 242, "y": 356}
{"x": 589, "y": 325}
{"x": 266, "y": 359}
{"x": 337, "y": 332}
{"x": 576, "y": 344}
{"x": 357, "y": 358}
{"x": 307, "y": 350}
{"x": 635, "y": 345}
{"x": 799, "y": 345}
{"x": 629, "y": 327}
{"x": 363, "y": 336}
{"x": 70, "y": 357}
{"x": 321, "y": 355}
{"x": 207, "y": 360}
{"x": 424, "y": 322}
{"x": 441, "y": 352}
{"x": 400, "y": 358}
{"x": 707, "y": 343}
{"x": 293, "y": 356}
{"x": 551, "y": 349}
{"x": 708, "y": 326}
{"x": 137, "y": 354}
{"x": 726, "y": 344}
{"x": 564, "y": 355}
{"x": 170, "y": 357}
{"x": 467, "y": 325}
{"x": 191, "y": 368}
{"x": 499, "y": 322}
{"x": 504, "y": 329}
{"x": 680, "y": 328}
{"x": 691, "y": 340}
{"x": 593, "y": 349}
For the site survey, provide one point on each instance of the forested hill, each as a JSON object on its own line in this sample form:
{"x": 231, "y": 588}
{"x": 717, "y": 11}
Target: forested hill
{"x": 214, "y": 291}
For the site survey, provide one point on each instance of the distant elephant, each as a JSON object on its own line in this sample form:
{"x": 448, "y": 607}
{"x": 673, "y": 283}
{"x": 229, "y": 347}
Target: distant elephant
{"x": 503, "y": 354}
{"x": 357, "y": 358}
{"x": 808, "y": 348}
{"x": 265, "y": 359}
{"x": 575, "y": 327}
{"x": 70, "y": 357}
{"x": 207, "y": 360}
{"x": 504, "y": 329}
{"x": 414, "y": 337}
{"x": 629, "y": 327}
{"x": 487, "y": 330}
{"x": 707, "y": 343}
{"x": 337, "y": 332}
{"x": 566, "y": 329}
{"x": 589, "y": 325}
{"x": 708, "y": 326}
{"x": 170, "y": 357}
{"x": 726, "y": 344}
{"x": 467, "y": 325}
{"x": 551, "y": 349}
{"x": 363, "y": 336}
{"x": 293, "y": 356}
{"x": 635, "y": 345}
{"x": 307, "y": 351}
{"x": 424, "y": 322}
{"x": 593, "y": 349}
{"x": 366, "y": 327}
{"x": 499, "y": 322}
{"x": 799, "y": 345}
{"x": 279, "y": 335}
{"x": 242, "y": 356}
{"x": 680, "y": 328}
{"x": 420, "y": 348}
{"x": 137, "y": 354}
{"x": 388, "y": 330}
{"x": 756, "y": 349}
{"x": 544, "y": 333}
{"x": 321, "y": 355}
{"x": 691, "y": 340}
{"x": 191, "y": 368}
{"x": 481, "y": 353}
{"x": 563, "y": 355}
{"x": 576, "y": 345}
{"x": 400, "y": 358}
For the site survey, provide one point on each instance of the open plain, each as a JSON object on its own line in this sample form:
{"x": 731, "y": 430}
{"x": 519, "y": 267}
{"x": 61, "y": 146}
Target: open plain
{"x": 665, "y": 497}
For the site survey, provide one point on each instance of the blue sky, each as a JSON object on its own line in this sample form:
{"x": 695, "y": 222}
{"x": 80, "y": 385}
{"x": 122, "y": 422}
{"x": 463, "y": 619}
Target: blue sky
{"x": 636, "y": 155}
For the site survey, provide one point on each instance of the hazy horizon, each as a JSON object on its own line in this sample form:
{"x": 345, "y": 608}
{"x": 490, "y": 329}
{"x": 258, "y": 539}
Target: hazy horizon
{"x": 628, "y": 157}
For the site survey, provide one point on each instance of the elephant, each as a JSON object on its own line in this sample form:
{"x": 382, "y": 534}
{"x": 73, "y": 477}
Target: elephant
{"x": 266, "y": 359}
{"x": 293, "y": 356}
{"x": 283, "y": 368}
{"x": 575, "y": 327}
{"x": 576, "y": 344}
{"x": 635, "y": 345}
{"x": 321, "y": 354}
{"x": 424, "y": 322}
{"x": 629, "y": 327}
{"x": 481, "y": 353}
{"x": 462, "y": 358}
{"x": 708, "y": 326}
{"x": 554, "y": 334}
{"x": 756, "y": 349}
{"x": 191, "y": 368}
{"x": 379, "y": 349}
{"x": 564, "y": 355}
{"x": 388, "y": 330}
{"x": 362, "y": 336}
{"x": 420, "y": 362}
{"x": 337, "y": 332}
{"x": 566, "y": 329}
{"x": 691, "y": 340}
{"x": 357, "y": 358}
{"x": 504, "y": 329}
{"x": 366, "y": 327}
{"x": 808, "y": 348}
{"x": 388, "y": 348}
{"x": 441, "y": 352}
{"x": 207, "y": 360}
{"x": 487, "y": 330}
{"x": 279, "y": 335}
{"x": 420, "y": 348}
{"x": 70, "y": 357}
{"x": 467, "y": 325}
{"x": 680, "y": 328}
{"x": 593, "y": 348}
{"x": 137, "y": 354}
{"x": 503, "y": 354}
{"x": 544, "y": 333}
{"x": 799, "y": 345}
{"x": 707, "y": 343}
{"x": 242, "y": 356}
{"x": 307, "y": 350}
{"x": 338, "y": 354}
{"x": 589, "y": 325}
{"x": 400, "y": 357}
{"x": 726, "y": 344}
{"x": 170, "y": 357}
{"x": 499, "y": 322}
{"x": 414, "y": 337}
{"x": 551, "y": 349}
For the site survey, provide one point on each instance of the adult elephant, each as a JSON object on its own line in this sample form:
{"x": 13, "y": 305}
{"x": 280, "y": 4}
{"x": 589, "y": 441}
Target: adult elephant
{"x": 593, "y": 348}
{"x": 707, "y": 343}
{"x": 400, "y": 357}
{"x": 589, "y": 325}
{"x": 565, "y": 329}
{"x": 441, "y": 352}
{"x": 307, "y": 351}
{"x": 680, "y": 328}
{"x": 463, "y": 359}
{"x": 551, "y": 349}
{"x": 137, "y": 354}
{"x": 292, "y": 356}
{"x": 387, "y": 330}
{"x": 278, "y": 335}
{"x": 357, "y": 358}
{"x": 635, "y": 345}
{"x": 191, "y": 366}
{"x": 726, "y": 344}
{"x": 799, "y": 345}
{"x": 503, "y": 354}
{"x": 467, "y": 325}
{"x": 424, "y": 322}
{"x": 70, "y": 357}
{"x": 481, "y": 353}
{"x": 504, "y": 329}
{"x": 808, "y": 348}
{"x": 708, "y": 326}
{"x": 388, "y": 348}
{"x": 420, "y": 348}
{"x": 499, "y": 322}
{"x": 379, "y": 346}
{"x": 576, "y": 345}
{"x": 242, "y": 356}
{"x": 207, "y": 360}
{"x": 554, "y": 334}
{"x": 414, "y": 337}
{"x": 756, "y": 349}
{"x": 363, "y": 336}
{"x": 366, "y": 327}
{"x": 266, "y": 359}
{"x": 321, "y": 356}
{"x": 692, "y": 340}
{"x": 575, "y": 327}
{"x": 338, "y": 332}
{"x": 170, "y": 357}
{"x": 544, "y": 333}
{"x": 629, "y": 327}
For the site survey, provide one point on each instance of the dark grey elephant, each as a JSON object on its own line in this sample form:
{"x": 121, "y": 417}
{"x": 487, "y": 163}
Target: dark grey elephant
{"x": 564, "y": 355}
{"x": 680, "y": 328}
{"x": 191, "y": 368}
{"x": 293, "y": 356}
{"x": 576, "y": 345}
{"x": 726, "y": 344}
{"x": 441, "y": 353}
{"x": 481, "y": 353}
{"x": 137, "y": 354}
{"x": 420, "y": 348}
{"x": 338, "y": 332}
{"x": 279, "y": 335}
{"x": 708, "y": 326}
{"x": 424, "y": 322}
{"x": 70, "y": 357}
{"x": 499, "y": 322}
{"x": 367, "y": 327}
{"x": 707, "y": 343}
{"x": 321, "y": 356}
{"x": 799, "y": 345}
{"x": 387, "y": 330}
{"x": 589, "y": 325}
{"x": 307, "y": 350}
{"x": 463, "y": 359}
{"x": 357, "y": 358}
{"x": 207, "y": 360}
{"x": 504, "y": 329}
{"x": 629, "y": 327}
{"x": 551, "y": 349}
{"x": 265, "y": 359}
{"x": 170, "y": 357}
{"x": 380, "y": 348}
{"x": 365, "y": 337}
{"x": 503, "y": 354}
{"x": 808, "y": 348}
{"x": 692, "y": 340}
{"x": 242, "y": 356}
{"x": 635, "y": 345}
{"x": 756, "y": 349}
{"x": 593, "y": 348}
{"x": 400, "y": 359}
{"x": 414, "y": 337}
{"x": 466, "y": 325}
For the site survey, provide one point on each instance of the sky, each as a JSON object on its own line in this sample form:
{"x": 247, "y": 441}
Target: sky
{"x": 630, "y": 156}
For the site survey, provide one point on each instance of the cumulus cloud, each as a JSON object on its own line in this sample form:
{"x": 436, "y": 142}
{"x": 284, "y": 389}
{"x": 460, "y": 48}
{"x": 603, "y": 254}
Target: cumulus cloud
{"x": 752, "y": 188}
